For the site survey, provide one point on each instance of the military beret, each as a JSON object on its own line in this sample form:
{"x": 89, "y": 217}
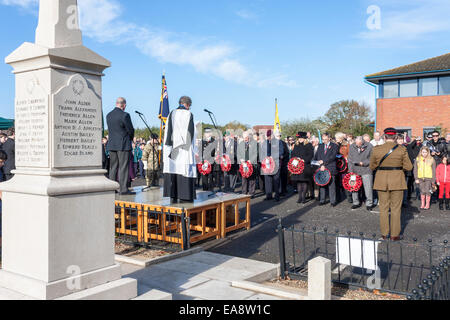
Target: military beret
{"x": 390, "y": 132}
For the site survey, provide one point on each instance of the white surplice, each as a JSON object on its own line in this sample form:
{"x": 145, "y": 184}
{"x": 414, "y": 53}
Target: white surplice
{"x": 180, "y": 144}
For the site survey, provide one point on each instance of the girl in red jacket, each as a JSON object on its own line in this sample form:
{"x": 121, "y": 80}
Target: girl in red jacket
{"x": 443, "y": 181}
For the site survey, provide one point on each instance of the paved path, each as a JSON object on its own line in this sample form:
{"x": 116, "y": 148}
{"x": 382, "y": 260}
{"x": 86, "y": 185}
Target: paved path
{"x": 202, "y": 276}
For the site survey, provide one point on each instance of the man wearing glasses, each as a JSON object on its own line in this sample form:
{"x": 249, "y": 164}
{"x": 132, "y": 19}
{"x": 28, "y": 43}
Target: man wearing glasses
{"x": 121, "y": 134}
{"x": 437, "y": 147}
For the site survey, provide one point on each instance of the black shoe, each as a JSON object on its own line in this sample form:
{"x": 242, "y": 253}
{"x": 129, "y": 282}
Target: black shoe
{"x": 354, "y": 207}
{"x": 441, "y": 204}
{"x": 370, "y": 208}
{"x": 277, "y": 199}
{"x": 268, "y": 199}
{"x": 447, "y": 205}
{"x": 322, "y": 203}
{"x": 334, "y": 205}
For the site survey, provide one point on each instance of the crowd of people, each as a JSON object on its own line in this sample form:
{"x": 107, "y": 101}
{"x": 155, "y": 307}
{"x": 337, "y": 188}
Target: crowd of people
{"x": 427, "y": 180}
{"x": 127, "y": 158}
{"x": 392, "y": 168}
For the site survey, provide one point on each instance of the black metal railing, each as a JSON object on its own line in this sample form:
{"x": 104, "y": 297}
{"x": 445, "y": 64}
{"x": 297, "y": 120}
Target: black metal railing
{"x": 358, "y": 260}
{"x": 143, "y": 226}
{"x": 436, "y": 285}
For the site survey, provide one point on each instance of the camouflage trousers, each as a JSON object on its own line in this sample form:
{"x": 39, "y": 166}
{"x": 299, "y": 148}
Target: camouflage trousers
{"x": 152, "y": 178}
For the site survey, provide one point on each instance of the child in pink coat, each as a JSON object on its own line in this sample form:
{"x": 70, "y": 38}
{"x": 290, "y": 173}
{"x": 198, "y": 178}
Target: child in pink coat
{"x": 443, "y": 181}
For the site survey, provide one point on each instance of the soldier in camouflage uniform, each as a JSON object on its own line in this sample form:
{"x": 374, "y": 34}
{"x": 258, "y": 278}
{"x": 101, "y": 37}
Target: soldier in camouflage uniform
{"x": 150, "y": 158}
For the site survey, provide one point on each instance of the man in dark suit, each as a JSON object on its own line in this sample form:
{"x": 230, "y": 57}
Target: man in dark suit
{"x": 284, "y": 172}
{"x": 9, "y": 147}
{"x": 230, "y": 148}
{"x": 121, "y": 134}
{"x": 326, "y": 157}
{"x": 273, "y": 148}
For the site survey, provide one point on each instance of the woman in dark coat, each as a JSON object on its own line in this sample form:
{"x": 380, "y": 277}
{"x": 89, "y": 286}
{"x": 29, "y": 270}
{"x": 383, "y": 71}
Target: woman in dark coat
{"x": 305, "y": 151}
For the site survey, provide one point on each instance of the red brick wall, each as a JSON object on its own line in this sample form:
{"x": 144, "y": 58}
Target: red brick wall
{"x": 416, "y": 113}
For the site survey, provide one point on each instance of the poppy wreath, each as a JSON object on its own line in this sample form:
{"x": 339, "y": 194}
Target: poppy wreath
{"x": 322, "y": 178}
{"x": 204, "y": 168}
{"x": 246, "y": 169}
{"x": 225, "y": 163}
{"x": 268, "y": 166}
{"x": 352, "y": 182}
{"x": 296, "y": 166}
{"x": 342, "y": 165}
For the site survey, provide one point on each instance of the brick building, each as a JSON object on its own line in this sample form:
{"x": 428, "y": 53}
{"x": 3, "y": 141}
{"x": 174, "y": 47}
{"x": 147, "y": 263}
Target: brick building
{"x": 415, "y": 99}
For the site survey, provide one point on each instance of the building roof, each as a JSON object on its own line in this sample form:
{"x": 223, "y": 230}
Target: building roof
{"x": 432, "y": 66}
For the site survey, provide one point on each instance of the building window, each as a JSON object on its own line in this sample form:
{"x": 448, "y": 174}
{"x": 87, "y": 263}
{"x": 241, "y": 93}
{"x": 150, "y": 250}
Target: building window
{"x": 428, "y": 87}
{"x": 444, "y": 85}
{"x": 408, "y": 88}
{"x": 390, "y": 89}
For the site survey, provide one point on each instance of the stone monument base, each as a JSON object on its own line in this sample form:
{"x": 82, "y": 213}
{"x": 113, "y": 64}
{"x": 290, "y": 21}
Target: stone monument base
{"x": 119, "y": 289}
{"x": 59, "y": 242}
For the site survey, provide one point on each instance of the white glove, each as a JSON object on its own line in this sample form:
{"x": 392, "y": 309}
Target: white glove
{"x": 145, "y": 165}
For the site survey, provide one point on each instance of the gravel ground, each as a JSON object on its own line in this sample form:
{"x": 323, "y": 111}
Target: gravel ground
{"x": 340, "y": 292}
{"x": 139, "y": 253}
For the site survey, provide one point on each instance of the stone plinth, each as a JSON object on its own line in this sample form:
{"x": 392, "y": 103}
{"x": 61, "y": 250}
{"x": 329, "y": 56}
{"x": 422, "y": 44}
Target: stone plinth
{"x": 319, "y": 279}
{"x": 58, "y": 210}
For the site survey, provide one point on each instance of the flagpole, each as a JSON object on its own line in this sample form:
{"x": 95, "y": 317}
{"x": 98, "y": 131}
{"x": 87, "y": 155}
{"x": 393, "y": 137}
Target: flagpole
{"x": 275, "y": 125}
{"x": 161, "y": 124}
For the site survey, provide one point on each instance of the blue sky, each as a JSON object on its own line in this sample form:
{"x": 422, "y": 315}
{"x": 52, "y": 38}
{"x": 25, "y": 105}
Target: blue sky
{"x": 235, "y": 57}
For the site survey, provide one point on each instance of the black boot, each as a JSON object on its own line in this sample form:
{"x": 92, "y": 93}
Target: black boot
{"x": 447, "y": 204}
{"x": 441, "y": 204}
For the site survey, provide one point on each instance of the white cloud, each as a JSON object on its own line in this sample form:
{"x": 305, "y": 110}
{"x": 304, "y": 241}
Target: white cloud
{"x": 405, "y": 21}
{"x": 21, "y": 3}
{"x": 246, "y": 14}
{"x": 102, "y": 20}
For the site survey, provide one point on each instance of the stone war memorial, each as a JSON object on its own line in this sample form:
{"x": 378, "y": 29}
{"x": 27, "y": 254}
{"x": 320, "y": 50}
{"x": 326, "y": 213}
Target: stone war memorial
{"x": 59, "y": 236}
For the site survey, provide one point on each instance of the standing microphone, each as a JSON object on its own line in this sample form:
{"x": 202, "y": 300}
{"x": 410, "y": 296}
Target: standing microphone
{"x": 207, "y": 111}
{"x": 139, "y": 113}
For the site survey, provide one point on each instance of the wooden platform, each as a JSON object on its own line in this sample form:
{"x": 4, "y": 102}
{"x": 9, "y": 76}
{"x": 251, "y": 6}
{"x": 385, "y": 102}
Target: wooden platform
{"x": 149, "y": 216}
